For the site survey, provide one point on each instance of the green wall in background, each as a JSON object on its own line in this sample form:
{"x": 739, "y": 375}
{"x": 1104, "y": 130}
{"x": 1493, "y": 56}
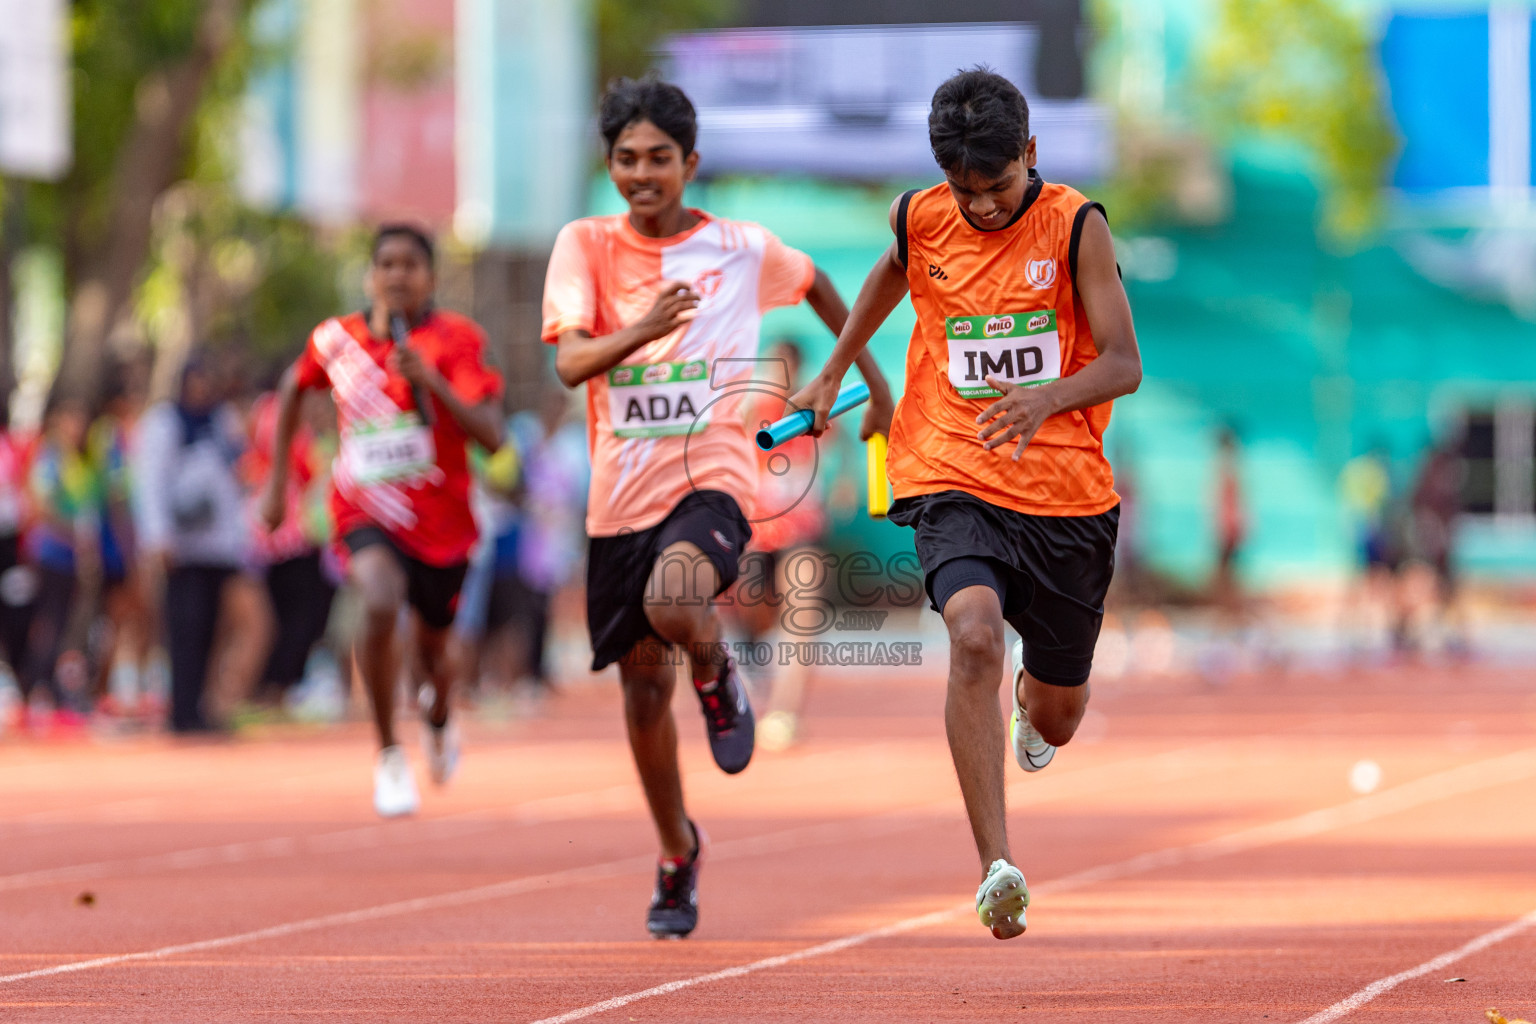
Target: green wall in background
{"x": 1311, "y": 356}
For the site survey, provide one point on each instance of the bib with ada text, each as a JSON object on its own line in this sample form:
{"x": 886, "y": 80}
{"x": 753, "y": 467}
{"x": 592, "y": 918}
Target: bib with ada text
{"x": 658, "y": 399}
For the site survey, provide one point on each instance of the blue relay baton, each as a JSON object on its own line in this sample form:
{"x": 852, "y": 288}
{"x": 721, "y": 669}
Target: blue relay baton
{"x": 798, "y": 423}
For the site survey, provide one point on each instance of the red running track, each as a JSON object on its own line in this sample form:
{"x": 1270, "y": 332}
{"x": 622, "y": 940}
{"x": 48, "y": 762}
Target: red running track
{"x": 1196, "y": 855}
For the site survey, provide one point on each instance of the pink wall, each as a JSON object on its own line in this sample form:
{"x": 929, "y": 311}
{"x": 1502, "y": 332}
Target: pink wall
{"x": 406, "y": 166}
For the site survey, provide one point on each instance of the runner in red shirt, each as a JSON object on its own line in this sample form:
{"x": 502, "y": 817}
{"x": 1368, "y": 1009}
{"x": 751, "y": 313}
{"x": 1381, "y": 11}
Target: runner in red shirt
{"x": 400, "y": 494}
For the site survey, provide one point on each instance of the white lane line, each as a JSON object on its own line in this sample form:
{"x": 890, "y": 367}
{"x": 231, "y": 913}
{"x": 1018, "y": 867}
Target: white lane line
{"x": 1431, "y": 788}
{"x": 452, "y": 899}
{"x": 545, "y": 810}
{"x": 457, "y": 825}
{"x": 1154, "y": 768}
{"x": 1387, "y": 984}
{"x": 773, "y": 842}
{"x": 835, "y": 946}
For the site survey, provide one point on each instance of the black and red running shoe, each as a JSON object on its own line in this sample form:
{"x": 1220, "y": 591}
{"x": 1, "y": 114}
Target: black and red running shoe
{"x": 728, "y": 717}
{"x": 675, "y": 904}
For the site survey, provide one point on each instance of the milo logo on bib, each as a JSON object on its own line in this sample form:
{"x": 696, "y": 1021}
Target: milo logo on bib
{"x": 1021, "y": 348}
{"x": 658, "y": 399}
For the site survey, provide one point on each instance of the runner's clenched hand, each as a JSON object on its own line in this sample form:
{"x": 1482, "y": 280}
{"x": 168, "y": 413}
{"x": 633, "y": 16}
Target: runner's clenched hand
{"x": 817, "y": 396}
{"x": 674, "y": 307}
{"x": 409, "y": 364}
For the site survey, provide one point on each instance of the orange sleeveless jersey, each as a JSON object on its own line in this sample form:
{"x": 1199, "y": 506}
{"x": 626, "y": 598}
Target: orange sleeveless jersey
{"x": 1001, "y": 303}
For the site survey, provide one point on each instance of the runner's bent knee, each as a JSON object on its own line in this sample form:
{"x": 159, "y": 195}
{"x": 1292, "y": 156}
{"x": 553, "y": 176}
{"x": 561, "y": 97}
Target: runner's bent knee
{"x": 380, "y": 582}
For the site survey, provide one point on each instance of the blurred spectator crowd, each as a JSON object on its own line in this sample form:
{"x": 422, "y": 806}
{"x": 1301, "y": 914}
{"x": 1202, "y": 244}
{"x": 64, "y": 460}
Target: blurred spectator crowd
{"x": 137, "y": 587}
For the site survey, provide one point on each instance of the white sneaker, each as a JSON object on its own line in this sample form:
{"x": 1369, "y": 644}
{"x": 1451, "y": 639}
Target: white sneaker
{"x": 394, "y": 788}
{"x": 1001, "y": 900}
{"x": 443, "y": 745}
{"x": 1029, "y": 748}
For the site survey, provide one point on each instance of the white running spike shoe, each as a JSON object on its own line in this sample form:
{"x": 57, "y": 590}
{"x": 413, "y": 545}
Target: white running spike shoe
{"x": 443, "y": 745}
{"x": 1001, "y": 900}
{"x": 1029, "y": 748}
{"x": 394, "y": 788}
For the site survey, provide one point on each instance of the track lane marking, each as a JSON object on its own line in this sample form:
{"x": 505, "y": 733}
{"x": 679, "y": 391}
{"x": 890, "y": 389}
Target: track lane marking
{"x": 544, "y": 810}
{"x": 1457, "y": 781}
{"x": 547, "y": 809}
{"x": 1153, "y": 768}
{"x": 1382, "y": 986}
{"x": 1462, "y": 779}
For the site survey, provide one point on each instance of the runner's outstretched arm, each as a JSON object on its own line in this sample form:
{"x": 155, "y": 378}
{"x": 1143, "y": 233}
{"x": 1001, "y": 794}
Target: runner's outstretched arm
{"x": 274, "y": 504}
{"x": 828, "y": 304}
{"x": 579, "y": 356}
{"x": 481, "y": 421}
{"x": 1114, "y": 372}
{"x": 882, "y": 292}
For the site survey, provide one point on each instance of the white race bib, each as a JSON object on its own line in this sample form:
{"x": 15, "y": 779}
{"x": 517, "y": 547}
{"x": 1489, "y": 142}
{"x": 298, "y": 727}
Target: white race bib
{"x": 658, "y": 399}
{"x": 1021, "y": 348}
{"x": 383, "y": 452}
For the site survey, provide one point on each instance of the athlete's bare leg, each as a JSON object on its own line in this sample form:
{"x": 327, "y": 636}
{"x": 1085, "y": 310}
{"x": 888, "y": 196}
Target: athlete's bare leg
{"x": 1054, "y": 711}
{"x": 680, "y": 608}
{"x": 438, "y": 663}
{"x": 380, "y": 583}
{"x": 680, "y": 605}
{"x": 649, "y": 677}
{"x": 972, "y": 718}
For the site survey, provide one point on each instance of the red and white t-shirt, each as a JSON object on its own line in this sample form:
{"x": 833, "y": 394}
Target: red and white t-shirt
{"x": 667, "y": 421}
{"x": 393, "y": 471}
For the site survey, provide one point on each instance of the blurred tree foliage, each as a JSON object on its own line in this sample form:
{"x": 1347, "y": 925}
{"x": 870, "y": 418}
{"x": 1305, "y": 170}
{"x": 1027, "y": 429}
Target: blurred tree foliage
{"x": 147, "y": 215}
{"x": 628, "y": 30}
{"x": 1304, "y": 71}
{"x": 223, "y": 275}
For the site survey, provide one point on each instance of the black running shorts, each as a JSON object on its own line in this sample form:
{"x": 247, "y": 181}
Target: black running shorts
{"x": 619, "y": 568}
{"x": 430, "y": 589}
{"x": 1050, "y": 572}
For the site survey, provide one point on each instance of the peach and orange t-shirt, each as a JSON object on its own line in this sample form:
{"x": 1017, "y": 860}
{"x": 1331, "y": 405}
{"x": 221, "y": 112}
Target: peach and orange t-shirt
{"x": 1001, "y": 303}
{"x": 670, "y": 419}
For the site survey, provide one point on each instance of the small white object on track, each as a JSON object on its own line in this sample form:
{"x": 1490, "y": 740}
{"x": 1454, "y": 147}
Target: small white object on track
{"x": 1364, "y": 777}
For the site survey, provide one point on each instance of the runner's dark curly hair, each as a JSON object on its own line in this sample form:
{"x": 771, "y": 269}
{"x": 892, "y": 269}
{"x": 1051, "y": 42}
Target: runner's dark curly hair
{"x": 979, "y": 123}
{"x": 628, "y": 101}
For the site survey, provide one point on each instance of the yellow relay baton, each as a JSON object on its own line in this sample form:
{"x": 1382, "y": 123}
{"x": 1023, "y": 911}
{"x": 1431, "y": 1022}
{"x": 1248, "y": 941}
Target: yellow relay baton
{"x": 879, "y": 487}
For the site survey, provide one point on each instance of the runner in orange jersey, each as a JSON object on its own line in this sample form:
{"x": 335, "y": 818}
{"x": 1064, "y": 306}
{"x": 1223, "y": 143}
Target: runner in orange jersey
{"x": 1023, "y": 338}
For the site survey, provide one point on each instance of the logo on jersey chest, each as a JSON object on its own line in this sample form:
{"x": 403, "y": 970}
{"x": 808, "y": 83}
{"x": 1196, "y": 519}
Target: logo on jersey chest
{"x": 1040, "y": 273}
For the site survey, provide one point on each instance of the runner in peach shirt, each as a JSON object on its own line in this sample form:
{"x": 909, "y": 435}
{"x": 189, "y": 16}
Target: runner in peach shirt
{"x": 658, "y": 312}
